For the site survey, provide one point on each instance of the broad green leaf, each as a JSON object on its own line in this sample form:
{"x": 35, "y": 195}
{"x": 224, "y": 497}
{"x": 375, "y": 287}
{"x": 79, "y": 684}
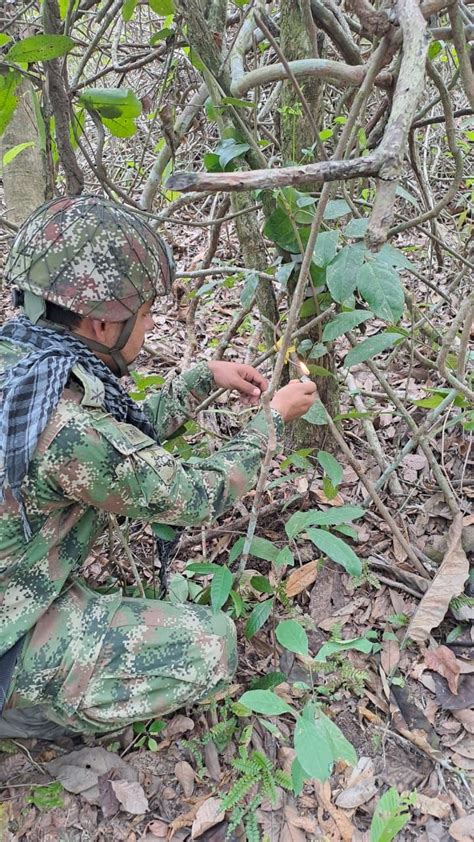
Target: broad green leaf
{"x": 162, "y": 7}
{"x": 261, "y": 548}
{"x": 161, "y": 35}
{"x": 11, "y": 154}
{"x": 203, "y": 568}
{"x": 298, "y": 776}
{"x": 238, "y": 603}
{"x": 279, "y": 229}
{"x": 163, "y": 531}
{"x": 261, "y": 584}
{"x": 8, "y": 100}
{"x": 360, "y": 644}
{"x": 393, "y": 257}
{"x": 128, "y": 9}
{"x": 220, "y": 588}
{"x": 258, "y": 617}
{"x": 249, "y": 289}
{"x": 316, "y": 414}
{"x": 331, "y": 466}
{"x": 229, "y": 149}
{"x": 112, "y": 103}
{"x": 292, "y": 636}
{"x": 380, "y": 286}
{"x": 341, "y": 747}
{"x": 264, "y": 701}
{"x": 313, "y": 749}
{"x": 336, "y": 208}
{"x": 333, "y": 517}
{"x": 268, "y": 681}
{"x": 285, "y": 556}
{"x": 336, "y": 549}
{"x": 341, "y": 274}
{"x": 325, "y": 248}
{"x": 39, "y": 48}
{"x": 178, "y": 589}
{"x": 4, "y": 38}
{"x": 344, "y": 322}
{"x": 370, "y": 347}
{"x": 356, "y": 228}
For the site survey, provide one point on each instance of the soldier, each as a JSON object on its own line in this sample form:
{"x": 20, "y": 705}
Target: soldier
{"x": 74, "y": 448}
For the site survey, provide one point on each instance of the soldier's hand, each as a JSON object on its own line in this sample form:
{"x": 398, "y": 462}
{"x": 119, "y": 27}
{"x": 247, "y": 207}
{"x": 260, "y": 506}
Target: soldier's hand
{"x": 294, "y": 399}
{"x": 243, "y": 378}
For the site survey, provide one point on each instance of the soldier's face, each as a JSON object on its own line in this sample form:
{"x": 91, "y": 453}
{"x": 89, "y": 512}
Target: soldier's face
{"x": 144, "y": 323}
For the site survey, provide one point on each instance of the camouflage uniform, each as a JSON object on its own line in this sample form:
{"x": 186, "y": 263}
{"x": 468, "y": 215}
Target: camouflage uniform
{"x": 95, "y": 662}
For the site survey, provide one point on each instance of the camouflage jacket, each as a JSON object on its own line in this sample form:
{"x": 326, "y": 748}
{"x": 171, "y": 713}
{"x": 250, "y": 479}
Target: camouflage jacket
{"x": 88, "y": 464}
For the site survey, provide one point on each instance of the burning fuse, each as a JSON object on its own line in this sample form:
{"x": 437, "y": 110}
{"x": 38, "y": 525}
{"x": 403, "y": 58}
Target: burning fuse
{"x": 305, "y": 372}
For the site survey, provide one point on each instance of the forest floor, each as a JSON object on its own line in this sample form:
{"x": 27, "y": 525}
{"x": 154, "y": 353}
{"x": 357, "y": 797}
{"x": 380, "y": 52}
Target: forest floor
{"x": 408, "y": 711}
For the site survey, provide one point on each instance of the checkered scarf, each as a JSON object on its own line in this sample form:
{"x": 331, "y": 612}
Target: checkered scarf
{"x": 31, "y": 390}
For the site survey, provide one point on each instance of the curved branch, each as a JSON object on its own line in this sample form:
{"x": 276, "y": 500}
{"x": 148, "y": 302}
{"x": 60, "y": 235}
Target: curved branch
{"x": 459, "y": 39}
{"x": 331, "y": 71}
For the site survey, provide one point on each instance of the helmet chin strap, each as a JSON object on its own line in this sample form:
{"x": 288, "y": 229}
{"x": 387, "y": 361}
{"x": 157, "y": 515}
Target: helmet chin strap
{"x": 121, "y": 366}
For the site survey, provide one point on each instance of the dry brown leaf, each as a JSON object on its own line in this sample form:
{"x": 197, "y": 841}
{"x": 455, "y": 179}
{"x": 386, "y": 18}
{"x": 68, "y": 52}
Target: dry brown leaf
{"x": 79, "y": 771}
{"x": 340, "y": 819}
{"x": 432, "y": 806}
{"x": 390, "y": 656}
{"x": 465, "y": 747}
{"x": 448, "y": 582}
{"x": 463, "y": 762}
{"x": 466, "y": 717}
{"x": 209, "y": 814}
{"x": 301, "y": 578}
{"x": 462, "y": 830}
{"x": 185, "y": 775}
{"x": 290, "y": 833}
{"x": 306, "y": 823}
{"x": 178, "y": 725}
{"x": 358, "y": 794}
{"x": 131, "y": 796}
{"x": 338, "y": 500}
{"x": 158, "y": 829}
{"x": 443, "y": 661}
{"x": 186, "y": 819}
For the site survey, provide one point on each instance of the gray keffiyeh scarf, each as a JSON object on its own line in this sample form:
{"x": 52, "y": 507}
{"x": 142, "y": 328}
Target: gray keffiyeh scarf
{"x": 31, "y": 390}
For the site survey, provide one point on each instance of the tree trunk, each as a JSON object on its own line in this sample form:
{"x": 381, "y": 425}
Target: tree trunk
{"x": 24, "y": 181}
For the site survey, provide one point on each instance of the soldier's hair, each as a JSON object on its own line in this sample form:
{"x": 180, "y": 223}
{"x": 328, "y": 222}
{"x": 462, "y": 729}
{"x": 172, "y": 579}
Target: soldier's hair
{"x": 60, "y": 316}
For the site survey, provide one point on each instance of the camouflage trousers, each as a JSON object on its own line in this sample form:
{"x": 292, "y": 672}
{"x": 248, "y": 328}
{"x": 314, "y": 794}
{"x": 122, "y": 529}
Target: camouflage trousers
{"x": 149, "y": 658}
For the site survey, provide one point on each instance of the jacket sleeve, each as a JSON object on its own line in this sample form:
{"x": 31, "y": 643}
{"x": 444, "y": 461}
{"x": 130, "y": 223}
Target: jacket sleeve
{"x": 177, "y": 400}
{"x": 113, "y": 466}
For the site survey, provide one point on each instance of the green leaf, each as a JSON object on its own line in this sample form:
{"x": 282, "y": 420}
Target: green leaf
{"x": 336, "y": 208}
{"x": 116, "y": 107}
{"x": 162, "y": 7}
{"x": 292, "y": 636}
{"x": 268, "y": 681}
{"x": 220, "y": 588}
{"x": 264, "y": 701}
{"x": 390, "y": 816}
{"x": 238, "y": 603}
{"x": 341, "y": 274}
{"x": 344, "y": 322}
{"x": 298, "y": 776}
{"x": 261, "y": 584}
{"x": 128, "y": 9}
{"x": 313, "y": 749}
{"x": 333, "y": 517}
{"x": 161, "y": 35}
{"x": 163, "y": 531}
{"x": 229, "y": 149}
{"x": 261, "y": 548}
{"x": 360, "y": 644}
{"x": 11, "y": 154}
{"x": 316, "y": 414}
{"x": 356, "y": 228}
{"x": 285, "y": 556}
{"x": 4, "y": 38}
{"x": 258, "y": 617}
{"x": 178, "y": 589}
{"x": 236, "y": 549}
{"x": 8, "y": 100}
{"x": 336, "y": 549}
{"x": 393, "y": 257}
{"x": 39, "y": 48}
{"x": 342, "y": 749}
{"x": 325, "y": 248}
{"x": 203, "y": 568}
{"x": 380, "y": 286}
{"x": 370, "y": 348}
{"x": 237, "y": 103}
{"x": 279, "y": 229}
{"x": 331, "y": 466}
{"x": 249, "y": 289}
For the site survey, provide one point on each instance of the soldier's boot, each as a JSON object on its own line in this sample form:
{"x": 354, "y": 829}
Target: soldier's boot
{"x": 25, "y": 723}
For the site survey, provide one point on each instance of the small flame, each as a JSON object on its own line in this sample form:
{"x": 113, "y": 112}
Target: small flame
{"x": 304, "y": 368}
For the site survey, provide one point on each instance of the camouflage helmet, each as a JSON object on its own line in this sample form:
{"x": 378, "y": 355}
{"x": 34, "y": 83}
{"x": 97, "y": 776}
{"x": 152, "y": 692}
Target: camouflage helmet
{"x": 90, "y": 256}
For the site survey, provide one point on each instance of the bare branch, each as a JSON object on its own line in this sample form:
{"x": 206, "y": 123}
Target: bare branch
{"x": 459, "y": 39}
